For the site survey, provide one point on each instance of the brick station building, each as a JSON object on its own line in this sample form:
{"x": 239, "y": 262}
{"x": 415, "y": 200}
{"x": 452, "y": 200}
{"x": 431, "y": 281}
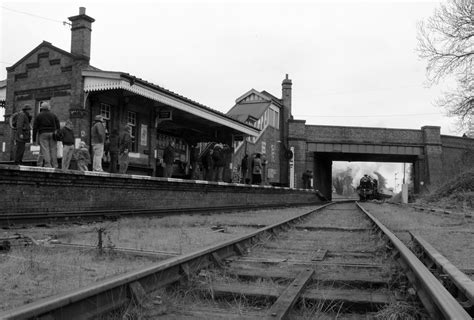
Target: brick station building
{"x": 78, "y": 91}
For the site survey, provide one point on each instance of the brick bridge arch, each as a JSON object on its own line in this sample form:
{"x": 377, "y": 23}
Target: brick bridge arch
{"x": 435, "y": 157}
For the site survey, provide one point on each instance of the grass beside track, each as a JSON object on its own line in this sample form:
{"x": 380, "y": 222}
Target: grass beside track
{"x": 451, "y": 235}
{"x": 33, "y": 272}
{"x": 30, "y": 273}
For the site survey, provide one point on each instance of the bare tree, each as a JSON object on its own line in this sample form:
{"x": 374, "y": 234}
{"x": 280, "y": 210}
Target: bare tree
{"x": 446, "y": 41}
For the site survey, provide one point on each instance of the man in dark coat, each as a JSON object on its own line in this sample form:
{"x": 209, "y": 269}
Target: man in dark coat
{"x": 257, "y": 169}
{"x": 43, "y": 128}
{"x": 168, "y": 159}
{"x": 23, "y": 132}
{"x": 219, "y": 162}
{"x": 68, "y": 140}
{"x": 114, "y": 149}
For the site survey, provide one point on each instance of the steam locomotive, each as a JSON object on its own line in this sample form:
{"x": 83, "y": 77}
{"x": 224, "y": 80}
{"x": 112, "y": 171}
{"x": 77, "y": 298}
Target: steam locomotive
{"x": 368, "y": 189}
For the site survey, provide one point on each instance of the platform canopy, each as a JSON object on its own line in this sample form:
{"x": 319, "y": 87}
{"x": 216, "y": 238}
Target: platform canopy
{"x": 184, "y": 109}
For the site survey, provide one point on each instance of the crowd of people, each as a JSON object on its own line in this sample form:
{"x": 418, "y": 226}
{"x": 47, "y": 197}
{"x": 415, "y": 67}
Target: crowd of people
{"x": 56, "y": 142}
{"x": 115, "y": 148}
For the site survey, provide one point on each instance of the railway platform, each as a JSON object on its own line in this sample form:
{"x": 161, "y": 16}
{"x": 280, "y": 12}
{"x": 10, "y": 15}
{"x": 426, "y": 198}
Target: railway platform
{"x": 30, "y": 190}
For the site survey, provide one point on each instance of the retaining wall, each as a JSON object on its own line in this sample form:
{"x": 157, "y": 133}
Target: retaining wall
{"x": 30, "y": 190}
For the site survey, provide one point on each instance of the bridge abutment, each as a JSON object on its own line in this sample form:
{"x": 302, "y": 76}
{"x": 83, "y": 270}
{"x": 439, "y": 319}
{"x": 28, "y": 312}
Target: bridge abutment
{"x": 433, "y": 155}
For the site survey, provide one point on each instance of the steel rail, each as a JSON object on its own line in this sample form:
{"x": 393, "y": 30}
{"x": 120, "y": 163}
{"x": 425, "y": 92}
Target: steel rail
{"x": 31, "y": 218}
{"x": 463, "y": 283}
{"x": 429, "y": 289}
{"x": 112, "y": 293}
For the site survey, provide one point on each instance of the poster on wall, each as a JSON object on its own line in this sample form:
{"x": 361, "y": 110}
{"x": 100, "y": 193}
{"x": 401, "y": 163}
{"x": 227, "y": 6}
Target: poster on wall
{"x": 143, "y": 135}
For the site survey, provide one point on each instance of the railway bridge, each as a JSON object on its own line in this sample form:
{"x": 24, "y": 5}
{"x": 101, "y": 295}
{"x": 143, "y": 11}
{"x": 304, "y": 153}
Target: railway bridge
{"x": 435, "y": 157}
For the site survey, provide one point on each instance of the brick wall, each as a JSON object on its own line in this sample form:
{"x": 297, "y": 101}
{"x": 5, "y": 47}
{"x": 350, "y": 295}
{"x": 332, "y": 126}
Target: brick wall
{"x": 49, "y": 190}
{"x": 268, "y": 145}
{"x": 458, "y": 155}
{"x": 46, "y": 73}
{"x": 363, "y": 135}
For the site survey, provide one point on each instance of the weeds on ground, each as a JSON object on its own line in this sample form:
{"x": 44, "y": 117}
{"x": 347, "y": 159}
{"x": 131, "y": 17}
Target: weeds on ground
{"x": 401, "y": 310}
{"x": 314, "y": 309}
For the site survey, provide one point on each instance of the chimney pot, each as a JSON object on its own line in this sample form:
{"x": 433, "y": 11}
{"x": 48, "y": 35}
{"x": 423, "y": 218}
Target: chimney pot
{"x": 82, "y": 10}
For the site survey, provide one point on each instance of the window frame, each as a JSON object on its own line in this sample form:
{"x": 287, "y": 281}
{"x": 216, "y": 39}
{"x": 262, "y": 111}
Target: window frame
{"x": 132, "y": 122}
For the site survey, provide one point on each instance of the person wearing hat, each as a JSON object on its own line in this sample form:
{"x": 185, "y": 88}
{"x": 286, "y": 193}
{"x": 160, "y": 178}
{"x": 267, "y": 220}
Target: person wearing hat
{"x": 98, "y": 141}
{"x": 23, "y": 132}
{"x": 43, "y": 128}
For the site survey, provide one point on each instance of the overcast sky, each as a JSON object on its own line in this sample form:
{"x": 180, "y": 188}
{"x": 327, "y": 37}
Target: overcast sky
{"x": 352, "y": 63}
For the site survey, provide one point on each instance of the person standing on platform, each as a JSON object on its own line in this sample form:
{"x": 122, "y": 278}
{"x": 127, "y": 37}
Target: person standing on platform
{"x": 23, "y": 132}
{"x": 193, "y": 158}
{"x": 114, "y": 150}
{"x": 219, "y": 162}
{"x": 257, "y": 170}
{"x": 43, "y": 128}
{"x": 82, "y": 157}
{"x": 125, "y": 144}
{"x": 97, "y": 141}
{"x": 68, "y": 144}
{"x": 208, "y": 165}
{"x": 168, "y": 158}
{"x": 244, "y": 167}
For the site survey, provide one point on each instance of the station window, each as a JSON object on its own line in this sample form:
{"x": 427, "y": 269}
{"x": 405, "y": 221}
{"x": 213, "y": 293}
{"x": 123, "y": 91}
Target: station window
{"x": 277, "y": 119}
{"x": 105, "y": 112}
{"x": 132, "y": 122}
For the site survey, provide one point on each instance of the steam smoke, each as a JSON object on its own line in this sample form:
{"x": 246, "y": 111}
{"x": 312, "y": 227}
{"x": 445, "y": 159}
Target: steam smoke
{"x": 384, "y": 172}
{"x": 382, "y": 182}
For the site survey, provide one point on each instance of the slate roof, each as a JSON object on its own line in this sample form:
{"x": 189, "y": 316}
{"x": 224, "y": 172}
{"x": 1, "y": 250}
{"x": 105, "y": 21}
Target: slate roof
{"x": 244, "y": 110}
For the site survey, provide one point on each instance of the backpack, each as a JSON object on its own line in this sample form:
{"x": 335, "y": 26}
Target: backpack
{"x": 58, "y": 135}
{"x": 13, "y": 120}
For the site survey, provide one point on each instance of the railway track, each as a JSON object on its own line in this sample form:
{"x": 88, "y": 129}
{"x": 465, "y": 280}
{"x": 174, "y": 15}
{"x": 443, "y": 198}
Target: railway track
{"x": 21, "y": 219}
{"x": 337, "y": 260}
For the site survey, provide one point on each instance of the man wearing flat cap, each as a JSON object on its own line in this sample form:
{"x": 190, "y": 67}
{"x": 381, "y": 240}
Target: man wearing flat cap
{"x": 23, "y": 132}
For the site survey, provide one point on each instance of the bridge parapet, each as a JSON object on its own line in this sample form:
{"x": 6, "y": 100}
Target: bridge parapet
{"x": 457, "y": 142}
{"x": 362, "y": 135}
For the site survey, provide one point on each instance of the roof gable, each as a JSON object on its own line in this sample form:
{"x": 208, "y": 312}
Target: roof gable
{"x": 252, "y": 96}
{"x": 43, "y": 44}
{"x": 274, "y": 99}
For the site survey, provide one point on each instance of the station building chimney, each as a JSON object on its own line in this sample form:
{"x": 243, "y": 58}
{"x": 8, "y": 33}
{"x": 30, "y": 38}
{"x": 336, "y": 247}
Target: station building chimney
{"x": 286, "y": 97}
{"x": 81, "y": 30}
